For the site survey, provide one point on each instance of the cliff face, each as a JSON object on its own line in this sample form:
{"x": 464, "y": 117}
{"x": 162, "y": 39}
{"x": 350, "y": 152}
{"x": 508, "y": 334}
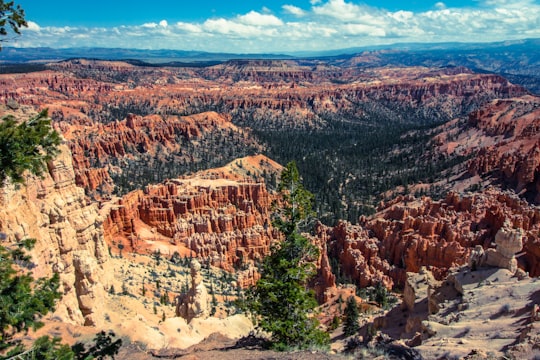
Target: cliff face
{"x": 514, "y": 152}
{"x": 409, "y": 233}
{"x": 225, "y": 222}
{"x": 237, "y": 109}
{"x": 55, "y": 212}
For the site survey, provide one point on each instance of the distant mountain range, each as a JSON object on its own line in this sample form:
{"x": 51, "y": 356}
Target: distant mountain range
{"x": 18, "y": 55}
{"x": 517, "y": 60}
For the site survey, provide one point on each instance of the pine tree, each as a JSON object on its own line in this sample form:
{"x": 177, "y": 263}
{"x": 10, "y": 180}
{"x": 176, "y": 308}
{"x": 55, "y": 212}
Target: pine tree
{"x": 28, "y": 145}
{"x": 13, "y": 16}
{"x": 351, "y": 326}
{"x": 280, "y": 300}
{"x": 23, "y": 300}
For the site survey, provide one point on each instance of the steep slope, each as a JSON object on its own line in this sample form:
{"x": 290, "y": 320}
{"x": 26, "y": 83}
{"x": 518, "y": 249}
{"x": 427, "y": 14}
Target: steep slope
{"x": 504, "y": 137}
{"x": 141, "y": 150}
{"x": 68, "y": 229}
{"x": 218, "y": 215}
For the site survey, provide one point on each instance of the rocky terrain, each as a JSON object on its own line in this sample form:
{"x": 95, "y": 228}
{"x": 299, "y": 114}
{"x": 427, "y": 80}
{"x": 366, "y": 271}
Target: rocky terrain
{"x": 161, "y": 166}
{"x": 226, "y": 222}
{"x": 129, "y": 126}
{"x": 408, "y": 233}
{"x": 69, "y": 233}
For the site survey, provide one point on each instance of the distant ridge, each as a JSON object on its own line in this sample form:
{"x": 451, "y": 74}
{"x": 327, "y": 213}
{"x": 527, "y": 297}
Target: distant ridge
{"x": 45, "y": 54}
{"x": 163, "y": 56}
{"x": 517, "y": 60}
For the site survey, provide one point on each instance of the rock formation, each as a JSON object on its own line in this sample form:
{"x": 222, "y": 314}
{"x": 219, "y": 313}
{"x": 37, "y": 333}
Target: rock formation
{"x": 69, "y": 234}
{"x": 503, "y": 137}
{"x": 488, "y": 308}
{"x": 195, "y": 303}
{"x": 224, "y": 221}
{"x": 508, "y": 242}
{"x": 93, "y": 102}
{"x": 409, "y": 233}
{"x": 151, "y": 148}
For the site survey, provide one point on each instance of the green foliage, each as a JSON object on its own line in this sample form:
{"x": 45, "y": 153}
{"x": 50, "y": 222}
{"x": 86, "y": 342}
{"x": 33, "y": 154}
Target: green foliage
{"x": 299, "y": 202}
{"x": 11, "y": 18}
{"x": 380, "y": 294}
{"x": 103, "y": 347}
{"x": 45, "y": 348}
{"x": 26, "y": 146}
{"x": 125, "y": 290}
{"x": 351, "y": 326}
{"x": 335, "y": 322}
{"x": 23, "y": 300}
{"x": 281, "y": 301}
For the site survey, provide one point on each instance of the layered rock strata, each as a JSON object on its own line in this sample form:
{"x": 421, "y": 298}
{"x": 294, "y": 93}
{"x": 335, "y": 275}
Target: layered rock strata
{"x": 223, "y": 221}
{"x": 68, "y": 229}
{"x": 503, "y": 137}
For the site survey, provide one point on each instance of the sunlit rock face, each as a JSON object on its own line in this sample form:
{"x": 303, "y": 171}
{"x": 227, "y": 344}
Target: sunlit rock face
{"x": 69, "y": 233}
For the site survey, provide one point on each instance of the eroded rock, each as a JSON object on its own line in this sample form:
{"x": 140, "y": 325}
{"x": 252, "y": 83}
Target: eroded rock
{"x": 195, "y": 303}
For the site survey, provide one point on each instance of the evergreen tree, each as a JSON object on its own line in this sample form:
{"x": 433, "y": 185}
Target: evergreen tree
{"x": 351, "y": 326}
{"x": 23, "y": 301}
{"x": 26, "y": 146}
{"x": 280, "y": 300}
{"x": 11, "y": 18}
{"x": 103, "y": 347}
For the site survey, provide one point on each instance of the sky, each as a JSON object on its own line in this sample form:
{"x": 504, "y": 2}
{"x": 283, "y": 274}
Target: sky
{"x": 278, "y": 26}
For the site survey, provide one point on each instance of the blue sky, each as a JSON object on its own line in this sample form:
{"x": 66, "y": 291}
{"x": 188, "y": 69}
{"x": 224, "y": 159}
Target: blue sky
{"x": 255, "y": 26}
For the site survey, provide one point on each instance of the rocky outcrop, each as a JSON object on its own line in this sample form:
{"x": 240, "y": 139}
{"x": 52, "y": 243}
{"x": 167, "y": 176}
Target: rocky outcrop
{"x": 504, "y": 138}
{"x": 195, "y": 303}
{"x": 224, "y": 221}
{"x": 508, "y": 243}
{"x": 147, "y": 149}
{"x": 68, "y": 230}
{"x": 409, "y": 233}
{"x": 93, "y": 102}
{"x": 324, "y": 283}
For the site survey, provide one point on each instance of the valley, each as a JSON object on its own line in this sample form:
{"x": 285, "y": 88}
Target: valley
{"x": 412, "y": 169}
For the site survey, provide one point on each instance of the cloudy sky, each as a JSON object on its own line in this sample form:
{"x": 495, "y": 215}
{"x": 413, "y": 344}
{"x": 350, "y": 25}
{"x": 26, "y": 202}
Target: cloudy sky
{"x": 256, "y": 26}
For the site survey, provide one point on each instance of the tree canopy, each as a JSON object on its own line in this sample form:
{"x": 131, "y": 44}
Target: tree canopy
{"x": 281, "y": 301}
{"x": 351, "y": 325}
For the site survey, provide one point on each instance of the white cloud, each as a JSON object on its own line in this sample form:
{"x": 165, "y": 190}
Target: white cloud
{"x": 361, "y": 29}
{"x": 338, "y": 9}
{"x": 327, "y": 24}
{"x": 293, "y": 10}
{"x": 440, "y": 5}
{"x": 32, "y": 26}
{"x": 315, "y": 2}
{"x": 258, "y": 19}
{"x": 189, "y": 27}
{"x": 150, "y": 25}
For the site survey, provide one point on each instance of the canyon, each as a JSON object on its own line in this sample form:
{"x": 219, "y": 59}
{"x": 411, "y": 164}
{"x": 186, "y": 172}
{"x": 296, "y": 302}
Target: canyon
{"x": 162, "y": 165}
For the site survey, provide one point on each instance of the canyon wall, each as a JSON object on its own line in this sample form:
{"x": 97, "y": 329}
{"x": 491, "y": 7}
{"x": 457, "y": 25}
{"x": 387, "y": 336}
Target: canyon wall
{"x": 68, "y": 229}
